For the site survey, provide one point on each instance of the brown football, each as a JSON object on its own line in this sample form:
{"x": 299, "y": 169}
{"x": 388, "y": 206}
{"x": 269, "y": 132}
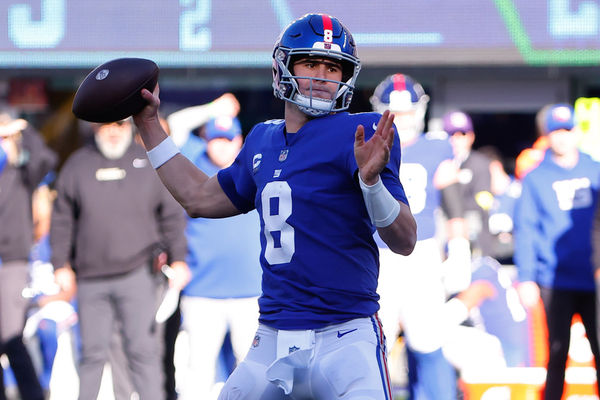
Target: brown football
{"x": 111, "y": 92}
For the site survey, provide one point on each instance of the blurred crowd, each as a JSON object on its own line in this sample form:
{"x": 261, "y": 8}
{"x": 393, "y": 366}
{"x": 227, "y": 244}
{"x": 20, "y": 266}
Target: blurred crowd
{"x": 104, "y": 280}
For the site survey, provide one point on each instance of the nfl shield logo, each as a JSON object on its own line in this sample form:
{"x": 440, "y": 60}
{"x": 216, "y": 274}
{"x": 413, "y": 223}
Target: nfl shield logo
{"x": 283, "y": 155}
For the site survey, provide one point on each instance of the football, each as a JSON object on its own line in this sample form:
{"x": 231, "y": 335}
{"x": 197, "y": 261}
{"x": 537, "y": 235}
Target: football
{"x": 111, "y": 92}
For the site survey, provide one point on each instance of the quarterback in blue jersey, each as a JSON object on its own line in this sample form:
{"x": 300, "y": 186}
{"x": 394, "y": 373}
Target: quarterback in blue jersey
{"x": 322, "y": 181}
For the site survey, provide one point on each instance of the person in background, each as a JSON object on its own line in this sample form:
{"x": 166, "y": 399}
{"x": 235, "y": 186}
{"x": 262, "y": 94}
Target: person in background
{"x": 53, "y": 313}
{"x": 412, "y": 288}
{"x": 223, "y": 256}
{"x": 27, "y": 160}
{"x": 110, "y": 220}
{"x": 180, "y": 125}
{"x": 475, "y": 181}
{"x": 321, "y": 190}
{"x": 494, "y": 334}
{"x": 553, "y": 241}
{"x": 506, "y": 189}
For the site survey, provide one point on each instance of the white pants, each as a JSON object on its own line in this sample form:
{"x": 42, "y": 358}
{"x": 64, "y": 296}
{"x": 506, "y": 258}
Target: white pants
{"x": 344, "y": 361}
{"x": 206, "y": 322}
{"x": 413, "y": 295}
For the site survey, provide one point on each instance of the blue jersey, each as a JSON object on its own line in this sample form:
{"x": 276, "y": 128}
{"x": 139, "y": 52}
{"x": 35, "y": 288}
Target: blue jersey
{"x": 320, "y": 262}
{"x": 553, "y": 224}
{"x": 222, "y": 253}
{"x": 420, "y": 161}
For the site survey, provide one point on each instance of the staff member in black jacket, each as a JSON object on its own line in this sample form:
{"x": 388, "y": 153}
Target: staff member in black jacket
{"x": 111, "y": 213}
{"x": 27, "y": 161}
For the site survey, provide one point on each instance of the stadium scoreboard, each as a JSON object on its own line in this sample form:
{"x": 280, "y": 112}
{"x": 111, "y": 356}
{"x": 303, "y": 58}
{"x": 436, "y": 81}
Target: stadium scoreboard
{"x": 241, "y": 33}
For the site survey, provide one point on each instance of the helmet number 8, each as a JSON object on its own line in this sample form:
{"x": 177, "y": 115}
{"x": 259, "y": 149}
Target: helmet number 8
{"x": 276, "y": 199}
{"x": 328, "y": 35}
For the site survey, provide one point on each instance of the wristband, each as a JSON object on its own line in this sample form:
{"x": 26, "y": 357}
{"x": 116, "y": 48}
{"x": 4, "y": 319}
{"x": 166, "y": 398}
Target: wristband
{"x": 382, "y": 207}
{"x": 162, "y": 153}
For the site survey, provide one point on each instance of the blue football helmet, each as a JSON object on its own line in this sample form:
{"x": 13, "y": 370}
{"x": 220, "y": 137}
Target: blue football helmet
{"x": 315, "y": 35}
{"x": 405, "y": 97}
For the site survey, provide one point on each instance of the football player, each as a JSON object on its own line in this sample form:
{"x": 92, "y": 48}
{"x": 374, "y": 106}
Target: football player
{"x": 412, "y": 289}
{"x": 322, "y": 181}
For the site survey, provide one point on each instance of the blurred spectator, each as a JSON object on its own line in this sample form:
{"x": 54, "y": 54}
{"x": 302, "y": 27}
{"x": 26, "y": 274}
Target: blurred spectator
{"x": 469, "y": 348}
{"x": 112, "y": 216}
{"x": 494, "y": 309}
{"x": 412, "y": 287}
{"x": 26, "y": 161}
{"x": 52, "y": 313}
{"x": 226, "y": 307}
{"x": 553, "y": 241}
{"x": 475, "y": 181}
{"x": 506, "y": 190}
{"x": 180, "y": 125}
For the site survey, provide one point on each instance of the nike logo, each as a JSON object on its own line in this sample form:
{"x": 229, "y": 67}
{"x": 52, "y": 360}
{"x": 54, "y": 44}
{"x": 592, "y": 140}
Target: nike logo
{"x": 342, "y": 333}
{"x": 374, "y": 126}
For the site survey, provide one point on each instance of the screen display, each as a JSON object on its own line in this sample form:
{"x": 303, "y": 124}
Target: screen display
{"x": 241, "y": 33}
